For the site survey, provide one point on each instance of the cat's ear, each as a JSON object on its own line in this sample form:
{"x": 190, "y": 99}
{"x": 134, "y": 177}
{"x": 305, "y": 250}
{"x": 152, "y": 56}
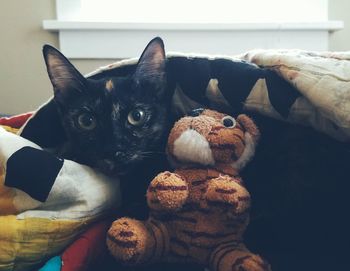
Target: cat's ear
{"x": 151, "y": 65}
{"x": 67, "y": 82}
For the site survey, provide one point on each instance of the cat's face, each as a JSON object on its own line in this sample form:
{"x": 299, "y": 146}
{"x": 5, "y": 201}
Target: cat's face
{"x": 112, "y": 123}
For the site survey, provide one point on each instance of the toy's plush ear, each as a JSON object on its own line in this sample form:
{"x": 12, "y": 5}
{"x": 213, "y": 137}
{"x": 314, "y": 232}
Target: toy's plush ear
{"x": 251, "y": 138}
{"x": 249, "y": 126}
{"x": 66, "y": 80}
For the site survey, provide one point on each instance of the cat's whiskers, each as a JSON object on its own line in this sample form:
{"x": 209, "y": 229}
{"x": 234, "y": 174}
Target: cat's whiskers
{"x": 148, "y": 154}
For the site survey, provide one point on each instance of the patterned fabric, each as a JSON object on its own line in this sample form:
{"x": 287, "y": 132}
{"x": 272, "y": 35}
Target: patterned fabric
{"x": 308, "y": 88}
{"x": 323, "y": 84}
{"x": 15, "y": 121}
{"x": 45, "y": 202}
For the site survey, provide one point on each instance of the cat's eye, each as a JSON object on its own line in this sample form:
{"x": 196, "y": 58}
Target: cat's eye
{"x": 228, "y": 122}
{"x": 136, "y": 117}
{"x": 87, "y": 121}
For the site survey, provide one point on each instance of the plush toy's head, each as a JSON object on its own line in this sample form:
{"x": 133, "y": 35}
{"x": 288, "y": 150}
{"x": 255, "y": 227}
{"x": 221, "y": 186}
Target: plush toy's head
{"x": 208, "y": 138}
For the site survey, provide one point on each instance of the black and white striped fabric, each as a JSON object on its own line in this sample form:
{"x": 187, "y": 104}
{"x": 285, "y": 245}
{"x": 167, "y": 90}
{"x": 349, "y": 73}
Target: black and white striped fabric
{"x": 308, "y": 88}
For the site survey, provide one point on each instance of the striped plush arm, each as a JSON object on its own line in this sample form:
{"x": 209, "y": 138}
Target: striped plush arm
{"x": 225, "y": 192}
{"x": 167, "y": 191}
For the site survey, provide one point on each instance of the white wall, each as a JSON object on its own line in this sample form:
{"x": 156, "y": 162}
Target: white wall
{"x": 340, "y": 10}
{"x": 24, "y": 83}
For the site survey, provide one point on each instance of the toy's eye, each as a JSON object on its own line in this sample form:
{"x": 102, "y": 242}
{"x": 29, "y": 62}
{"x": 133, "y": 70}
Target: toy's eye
{"x": 87, "y": 121}
{"x": 136, "y": 117}
{"x": 228, "y": 122}
{"x": 196, "y": 112}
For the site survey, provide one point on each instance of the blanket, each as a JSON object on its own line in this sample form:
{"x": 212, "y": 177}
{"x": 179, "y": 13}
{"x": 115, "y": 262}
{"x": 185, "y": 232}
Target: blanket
{"x": 45, "y": 202}
{"x": 307, "y": 88}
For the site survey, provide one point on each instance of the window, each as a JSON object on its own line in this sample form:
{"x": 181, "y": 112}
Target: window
{"x": 204, "y": 11}
{"x": 119, "y": 29}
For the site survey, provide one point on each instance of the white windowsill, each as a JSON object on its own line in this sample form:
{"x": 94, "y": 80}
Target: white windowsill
{"x": 82, "y": 39}
{"x": 56, "y": 25}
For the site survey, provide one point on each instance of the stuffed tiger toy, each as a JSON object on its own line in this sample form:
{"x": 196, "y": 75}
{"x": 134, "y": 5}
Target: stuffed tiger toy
{"x": 198, "y": 213}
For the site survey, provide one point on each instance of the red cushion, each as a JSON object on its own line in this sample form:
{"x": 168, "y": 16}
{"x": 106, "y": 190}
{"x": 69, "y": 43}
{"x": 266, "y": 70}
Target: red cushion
{"x": 87, "y": 249}
{"x": 15, "y": 121}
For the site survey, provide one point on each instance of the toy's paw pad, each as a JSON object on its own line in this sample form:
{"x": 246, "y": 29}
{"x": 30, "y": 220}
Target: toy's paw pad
{"x": 167, "y": 191}
{"x": 225, "y": 193}
{"x": 251, "y": 263}
{"x": 126, "y": 240}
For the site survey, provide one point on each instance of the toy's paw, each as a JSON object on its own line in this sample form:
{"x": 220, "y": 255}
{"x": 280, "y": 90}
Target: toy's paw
{"x": 225, "y": 193}
{"x": 250, "y": 263}
{"x": 167, "y": 191}
{"x": 127, "y": 240}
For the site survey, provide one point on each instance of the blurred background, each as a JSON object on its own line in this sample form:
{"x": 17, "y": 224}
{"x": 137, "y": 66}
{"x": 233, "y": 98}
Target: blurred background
{"x": 96, "y": 33}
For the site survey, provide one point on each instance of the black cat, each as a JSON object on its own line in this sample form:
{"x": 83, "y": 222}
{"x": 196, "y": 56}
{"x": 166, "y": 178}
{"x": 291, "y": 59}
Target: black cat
{"x": 112, "y": 123}
{"x": 117, "y": 124}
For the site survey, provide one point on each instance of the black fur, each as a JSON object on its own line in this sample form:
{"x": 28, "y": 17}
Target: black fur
{"x": 112, "y": 143}
{"x": 299, "y": 184}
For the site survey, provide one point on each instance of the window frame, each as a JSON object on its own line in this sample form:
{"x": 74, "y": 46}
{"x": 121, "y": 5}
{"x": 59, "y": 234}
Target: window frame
{"x": 91, "y": 39}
